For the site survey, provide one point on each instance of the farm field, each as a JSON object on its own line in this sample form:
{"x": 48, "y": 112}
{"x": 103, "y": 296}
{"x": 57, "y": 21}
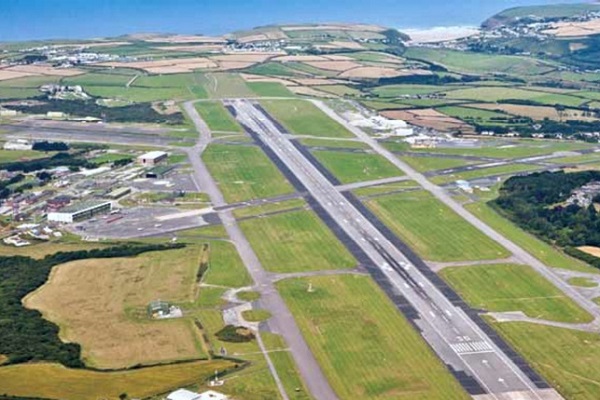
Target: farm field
{"x": 296, "y": 241}
{"x": 303, "y": 118}
{"x": 535, "y": 112}
{"x": 543, "y": 251}
{"x": 408, "y": 90}
{"x": 424, "y": 164}
{"x": 217, "y": 117}
{"x": 495, "y": 93}
{"x": 363, "y": 344}
{"x": 53, "y": 381}
{"x": 244, "y": 172}
{"x": 220, "y": 85}
{"x": 426, "y": 225}
{"x": 269, "y": 89}
{"x": 356, "y": 167}
{"x": 480, "y": 63}
{"x": 101, "y": 304}
{"x": 511, "y": 287}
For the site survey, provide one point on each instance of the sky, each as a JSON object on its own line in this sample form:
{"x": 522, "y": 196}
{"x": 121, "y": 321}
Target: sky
{"x": 78, "y": 19}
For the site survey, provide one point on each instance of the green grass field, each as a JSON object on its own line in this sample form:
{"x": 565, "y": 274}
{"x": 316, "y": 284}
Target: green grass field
{"x": 98, "y": 79}
{"x": 508, "y": 149}
{"x": 217, "y": 117}
{"x": 387, "y": 188}
{"x": 351, "y": 167}
{"x": 269, "y": 89}
{"x": 544, "y": 252}
{"x": 226, "y": 267}
{"x": 431, "y": 229}
{"x": 19, "y": 155}
{"x": 339, "y": 90}
{"x": 244, "y": 172}
{"x": 566, "y": 358}
{"x": 271, "y": 68}
{"x": 399, "y": 90}
{"x": 510, "y": 287}
{"x": 478, "y": 63}
{"x": 269, "y": 208}
{"x": 363, "y": 344}
{"x": 341, "y": 144}
{"x": 508, "y": 169}
{"x": 296, "y": 241}
{"x": 582, "y": 282}
{"x": 495, "y": 93}
{"x": 474, "y": 115}
{"x": 424, "y": 164}
{"x": 220, "y": 85}
{"x": 303, "y": 118}
{"x": 52, "y": 381}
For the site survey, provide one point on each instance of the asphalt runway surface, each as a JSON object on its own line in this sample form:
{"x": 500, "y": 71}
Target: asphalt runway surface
{"x": 467, "y": 349}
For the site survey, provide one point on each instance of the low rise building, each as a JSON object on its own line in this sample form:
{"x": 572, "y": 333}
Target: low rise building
{"x": 184, "y": 394}
{"x": 152, "y": 158}
{"x": 18, "y": 144}
{"x": 80, "y": 211}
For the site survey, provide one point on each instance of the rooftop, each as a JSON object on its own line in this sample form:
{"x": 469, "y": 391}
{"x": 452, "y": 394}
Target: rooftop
{"x": 84, "y": 205}
{"x": 153, "y": 154}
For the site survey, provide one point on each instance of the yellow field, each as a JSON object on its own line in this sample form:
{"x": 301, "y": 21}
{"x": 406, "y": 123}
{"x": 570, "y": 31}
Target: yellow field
{"x": 591, "y": 250}
{"x": 41, "y": 250}
{"x": 54, "y": 381}
{"x": 101, "y": 305}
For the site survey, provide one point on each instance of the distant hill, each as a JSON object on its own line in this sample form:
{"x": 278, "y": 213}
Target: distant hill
{"x": 555, "y": 11}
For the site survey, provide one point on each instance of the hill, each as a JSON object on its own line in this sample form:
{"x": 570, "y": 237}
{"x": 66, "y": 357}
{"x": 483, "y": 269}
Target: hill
{"x": 517, "y": 15}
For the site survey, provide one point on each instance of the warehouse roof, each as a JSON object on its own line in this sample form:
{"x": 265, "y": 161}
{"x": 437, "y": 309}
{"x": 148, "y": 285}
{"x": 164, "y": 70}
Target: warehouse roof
{"x": 153, "y": 154}
{"x": 81, "y": 206}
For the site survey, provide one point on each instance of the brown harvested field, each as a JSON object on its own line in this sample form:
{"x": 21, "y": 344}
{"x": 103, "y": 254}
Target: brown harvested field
{"x": 299, "y": 58}
{"x": 185, "y": 39}
{"x": 262, "y": 78}
{"x": 337, "y": 57}
{"x": 198, "y": 48}
{"x": 370, "y": 72}
{"x": 429, "y": 118}
{"x": 306, "y": 91}
{"x": 244, "y": 57}
{"x": 535, "y": 112}
{"x": 168, "y": 66}
{"x": 6, "y": 75}
{"x": 101, "y": 304}
{"x": 333, "y": 65}
{"x": 347, "y": 45}
{"x": 591, "y": 250}
{"x": 229, "y": 65}
{"x": 45, "y": 70}
{"x": 570, "y": 29}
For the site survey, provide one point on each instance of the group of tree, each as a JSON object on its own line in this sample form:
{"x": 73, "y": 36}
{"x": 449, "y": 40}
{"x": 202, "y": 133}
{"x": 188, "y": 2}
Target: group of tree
{"x": 537, "y": 203}
{"x": 26, "y": 335}
{"x": 138, "y": 112}
{"x": 50, "y": 146}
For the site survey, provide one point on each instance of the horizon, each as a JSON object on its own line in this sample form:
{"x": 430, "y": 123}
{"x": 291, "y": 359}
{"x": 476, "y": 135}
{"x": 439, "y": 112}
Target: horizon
{"x": 78, "y": 19}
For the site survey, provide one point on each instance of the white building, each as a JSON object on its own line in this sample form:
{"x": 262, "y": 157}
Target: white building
{"x": 183, "y": 394}
{"x": 152, "y": 158}
{"x": 79, "y": 211}
{"x": 18, "y": 144}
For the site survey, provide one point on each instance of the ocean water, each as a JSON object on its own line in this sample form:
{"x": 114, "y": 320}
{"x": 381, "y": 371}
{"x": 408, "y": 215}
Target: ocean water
{"x": 46, "y": 19}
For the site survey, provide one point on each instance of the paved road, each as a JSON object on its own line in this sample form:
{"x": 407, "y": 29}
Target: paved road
{"x": 450, "y": 332}
{"x": 281, "y": 321}
{"x": 518, "y": 252}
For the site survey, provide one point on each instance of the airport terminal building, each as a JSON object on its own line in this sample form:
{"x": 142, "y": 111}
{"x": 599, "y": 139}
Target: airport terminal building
{"x": 79, "y": 211}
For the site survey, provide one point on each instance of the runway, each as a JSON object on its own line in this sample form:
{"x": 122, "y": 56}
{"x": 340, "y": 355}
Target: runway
{"x": 483, "y": 368}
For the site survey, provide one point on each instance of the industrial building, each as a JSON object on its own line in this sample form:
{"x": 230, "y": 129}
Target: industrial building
{"x": 152, "y": 158}
{"x": 184, "y": 394}
{"x": 159, "y": 172}
{"x": 79, "y": 211}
